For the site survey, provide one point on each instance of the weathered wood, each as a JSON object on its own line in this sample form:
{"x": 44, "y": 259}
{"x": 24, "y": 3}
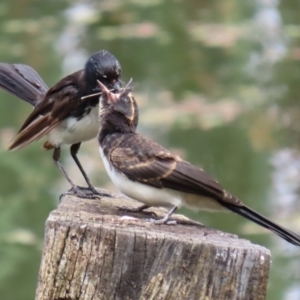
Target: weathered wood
{"x": 93, "y": 251}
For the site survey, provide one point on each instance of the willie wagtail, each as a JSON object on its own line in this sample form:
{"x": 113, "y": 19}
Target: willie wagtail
{"x": 62, "y": 113}
{"x": 149, "y": 173}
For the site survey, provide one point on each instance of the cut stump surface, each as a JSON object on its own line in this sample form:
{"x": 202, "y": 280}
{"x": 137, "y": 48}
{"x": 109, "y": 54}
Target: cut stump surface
{"x": 93, "y": 250}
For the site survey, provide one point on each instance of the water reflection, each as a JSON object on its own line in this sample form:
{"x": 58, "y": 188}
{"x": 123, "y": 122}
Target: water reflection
{"x": 215, "y": 81}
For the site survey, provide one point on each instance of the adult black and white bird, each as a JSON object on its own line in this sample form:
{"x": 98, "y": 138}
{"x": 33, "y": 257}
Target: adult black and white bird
{"x": 67, "y": 113}
{"x": 146, "y": 171}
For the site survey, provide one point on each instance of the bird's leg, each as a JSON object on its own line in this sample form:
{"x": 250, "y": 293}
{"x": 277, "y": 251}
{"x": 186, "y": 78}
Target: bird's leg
{"x": 75, "y": 190}
{"x": 165, "y": 219}
{"x": 139, "y": 209}
{"x": 74, "y": 150}
{"x": 56, "y": 157}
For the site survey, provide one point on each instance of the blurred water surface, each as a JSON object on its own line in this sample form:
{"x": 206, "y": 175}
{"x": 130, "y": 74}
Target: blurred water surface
{"x": 217, "y": 81}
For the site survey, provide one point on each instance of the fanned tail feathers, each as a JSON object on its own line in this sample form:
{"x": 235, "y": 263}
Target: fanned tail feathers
{"x": 23, "y": 82}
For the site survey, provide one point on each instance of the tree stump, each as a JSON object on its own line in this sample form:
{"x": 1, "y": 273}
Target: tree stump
{"x": 93, "y": 250}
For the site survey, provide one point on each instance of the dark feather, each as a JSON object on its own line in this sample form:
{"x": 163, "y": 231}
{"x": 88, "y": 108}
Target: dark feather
{"x": 59, "y": 102}
{"x": 40, "y": 122}
{"x": 23, "y": 82}
{"x": 264, "y": 222}
{"x": 35, "y": 131}
{"x": 148, "y": 162}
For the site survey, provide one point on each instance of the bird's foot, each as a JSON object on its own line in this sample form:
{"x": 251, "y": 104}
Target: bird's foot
{"x": 101, "y": 193}
{"x": 140, "y": 209}
{"x": 164, "y": 220}
{"x": 84, "y": 192}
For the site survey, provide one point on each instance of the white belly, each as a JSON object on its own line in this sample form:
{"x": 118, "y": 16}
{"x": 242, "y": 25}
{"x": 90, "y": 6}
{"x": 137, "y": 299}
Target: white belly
{"x": 144, "y": 193}
{"x": 73, "y": 131}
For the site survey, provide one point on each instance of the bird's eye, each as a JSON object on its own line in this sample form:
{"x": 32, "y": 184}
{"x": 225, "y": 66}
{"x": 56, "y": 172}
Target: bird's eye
{"x": 104, "y": 76}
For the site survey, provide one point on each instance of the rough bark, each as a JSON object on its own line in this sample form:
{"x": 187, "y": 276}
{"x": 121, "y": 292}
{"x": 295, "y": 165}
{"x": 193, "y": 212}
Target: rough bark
{"x": 93, "y": 250}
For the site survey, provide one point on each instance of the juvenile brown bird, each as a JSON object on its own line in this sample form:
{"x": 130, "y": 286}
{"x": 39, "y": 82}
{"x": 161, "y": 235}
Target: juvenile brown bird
{"x": 62, "y": 113}
{"x": 147, "y": 172}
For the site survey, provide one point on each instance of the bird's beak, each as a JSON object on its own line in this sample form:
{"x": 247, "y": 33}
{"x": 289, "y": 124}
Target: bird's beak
{"x": 117, "y": 86}
{"x": 127, "y": 88}
{"x": 103, "y": 88}
{"x": 105, "y": 92}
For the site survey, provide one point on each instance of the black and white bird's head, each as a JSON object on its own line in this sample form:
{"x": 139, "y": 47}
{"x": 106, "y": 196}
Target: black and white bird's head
{"x": 105, "y": 67}
{"x": 118, "y": 112}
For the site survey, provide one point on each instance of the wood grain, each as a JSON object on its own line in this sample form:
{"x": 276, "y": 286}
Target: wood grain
{"x": 93, "y": 250}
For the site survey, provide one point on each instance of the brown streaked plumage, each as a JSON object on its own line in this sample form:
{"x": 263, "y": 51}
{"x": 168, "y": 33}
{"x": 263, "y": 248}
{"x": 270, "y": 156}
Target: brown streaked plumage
{"x": 60, "y": 113}
{"x": 147, "y": 172}
{"x": 59, "y": 103}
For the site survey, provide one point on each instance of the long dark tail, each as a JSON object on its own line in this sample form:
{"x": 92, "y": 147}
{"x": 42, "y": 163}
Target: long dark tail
{"x": 23, "y": 82}
{"x": 264, "y": 222}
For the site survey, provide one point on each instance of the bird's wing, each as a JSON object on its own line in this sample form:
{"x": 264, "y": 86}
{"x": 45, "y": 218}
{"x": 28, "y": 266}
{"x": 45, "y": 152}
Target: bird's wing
{"x": 35, "y": 131}
{"x": 147, "y": 162}
{"x": 47, "y": 115}
{"x": 140, "y": 166}
{"x": 54, "y": 103}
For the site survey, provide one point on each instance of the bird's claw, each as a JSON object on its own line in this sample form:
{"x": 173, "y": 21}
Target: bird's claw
{"x": 99, "y": 193}
{"x": 85, "y": 193}
{"x": 161, "y": 221}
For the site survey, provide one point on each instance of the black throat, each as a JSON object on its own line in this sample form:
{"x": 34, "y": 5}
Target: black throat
{"x": 84, "y": 107}
{"x": 86, "y": 86}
